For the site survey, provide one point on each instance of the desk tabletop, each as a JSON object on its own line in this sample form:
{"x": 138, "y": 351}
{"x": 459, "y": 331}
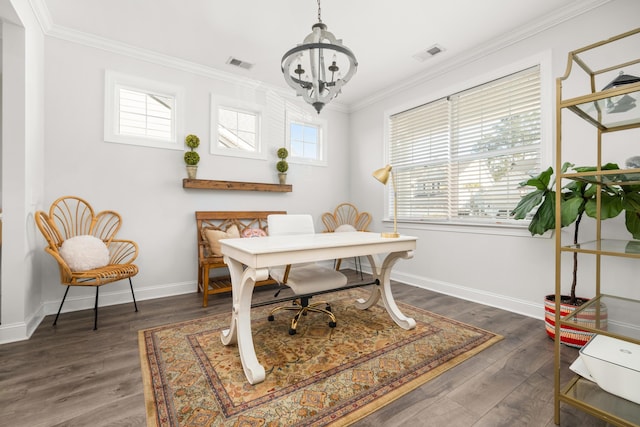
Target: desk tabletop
{"x": 276, "y": 250}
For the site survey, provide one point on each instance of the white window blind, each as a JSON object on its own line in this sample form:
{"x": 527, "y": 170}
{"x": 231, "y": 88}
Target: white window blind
{"x": 461, "y": 158}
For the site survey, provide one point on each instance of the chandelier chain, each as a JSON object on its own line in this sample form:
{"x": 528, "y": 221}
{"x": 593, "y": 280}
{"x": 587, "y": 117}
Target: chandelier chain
{"x": 319, "y": 11}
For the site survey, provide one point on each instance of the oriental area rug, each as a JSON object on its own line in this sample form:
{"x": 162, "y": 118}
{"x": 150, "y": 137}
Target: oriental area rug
{"x": 321, "y": 376}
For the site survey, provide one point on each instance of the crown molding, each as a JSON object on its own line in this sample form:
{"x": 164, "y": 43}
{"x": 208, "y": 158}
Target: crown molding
{"x": 551, "y": 20}
{"x": 90, "y": 40}
{"x": 41, "y": 11}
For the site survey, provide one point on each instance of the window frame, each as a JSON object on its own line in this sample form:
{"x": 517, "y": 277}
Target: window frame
{"x": 218, "y": 102}
{"x": 507, "y": 226}
{"x": 114, "y": 81}
{"x": 305, "y": 119}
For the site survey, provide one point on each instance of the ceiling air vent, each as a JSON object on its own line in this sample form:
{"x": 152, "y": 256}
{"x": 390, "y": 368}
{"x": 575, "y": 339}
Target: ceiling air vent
{"x": 432, "y": 51}
{"x": 238, "y": 63}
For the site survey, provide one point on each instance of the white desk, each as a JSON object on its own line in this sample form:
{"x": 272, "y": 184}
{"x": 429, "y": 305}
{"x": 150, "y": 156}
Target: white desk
{"x": 258, "y": 254}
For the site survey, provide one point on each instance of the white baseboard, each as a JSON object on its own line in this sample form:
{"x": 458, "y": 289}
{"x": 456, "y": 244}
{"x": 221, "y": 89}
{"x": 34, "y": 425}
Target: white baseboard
{"x": 514, "y": 305}
{"x": 123, "y": 296}
{"x": 22, "y": 331}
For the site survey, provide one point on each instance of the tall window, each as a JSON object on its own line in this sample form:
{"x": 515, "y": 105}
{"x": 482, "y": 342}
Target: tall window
{"x": 461, "y": 158}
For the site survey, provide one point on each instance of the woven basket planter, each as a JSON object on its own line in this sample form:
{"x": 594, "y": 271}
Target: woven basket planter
{"x": 570, "y": 335}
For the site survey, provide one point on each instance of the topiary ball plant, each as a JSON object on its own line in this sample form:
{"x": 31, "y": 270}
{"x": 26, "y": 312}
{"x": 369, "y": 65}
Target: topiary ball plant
{"x": 191, "y": 158}
{"x": 282, "y": 166}
{"x": 192, "y": 141}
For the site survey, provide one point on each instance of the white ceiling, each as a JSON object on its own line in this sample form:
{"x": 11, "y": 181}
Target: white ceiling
{"x": 384, "y": 35}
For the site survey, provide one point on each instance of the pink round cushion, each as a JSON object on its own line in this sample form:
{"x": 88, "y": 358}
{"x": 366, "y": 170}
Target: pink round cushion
{"x": 253, "y": 232}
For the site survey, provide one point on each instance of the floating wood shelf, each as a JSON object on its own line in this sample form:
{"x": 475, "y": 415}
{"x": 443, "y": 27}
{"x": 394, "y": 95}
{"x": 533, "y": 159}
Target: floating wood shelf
{"x": 208, "y": 184}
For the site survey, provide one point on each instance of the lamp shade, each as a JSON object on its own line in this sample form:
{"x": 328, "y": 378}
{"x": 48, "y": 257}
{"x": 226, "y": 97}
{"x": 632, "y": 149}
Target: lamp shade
{"x": 383, "y": 174}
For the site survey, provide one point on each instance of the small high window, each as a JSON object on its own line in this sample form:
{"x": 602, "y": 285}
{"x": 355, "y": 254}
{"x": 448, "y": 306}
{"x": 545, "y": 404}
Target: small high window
{"x": 306, "y": 139}
{"x": 236, "y": 128}
{"x": 142, "y": 112}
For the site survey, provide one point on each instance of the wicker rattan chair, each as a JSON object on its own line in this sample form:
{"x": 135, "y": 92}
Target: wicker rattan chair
{"x": 71, "y": 216}
{"x": 346, "y": 214}
{"x": 346, "y": 217}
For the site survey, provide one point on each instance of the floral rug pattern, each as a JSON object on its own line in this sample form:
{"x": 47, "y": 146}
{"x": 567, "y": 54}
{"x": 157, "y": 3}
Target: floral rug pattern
{"x": 321, "y": 376}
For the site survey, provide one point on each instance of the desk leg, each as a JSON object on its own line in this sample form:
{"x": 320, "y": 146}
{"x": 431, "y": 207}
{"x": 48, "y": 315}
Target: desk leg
{"x": 383, "y": 274}
{"x": 242, "y": 283}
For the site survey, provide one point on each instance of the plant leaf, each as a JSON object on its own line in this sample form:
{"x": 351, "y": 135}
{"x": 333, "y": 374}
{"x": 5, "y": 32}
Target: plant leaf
{"x": 632, "y": 221}
{"x": 541, "y": 182}
{"x": 545, "y": 217}
{"x": 527, "y": 203}
{"x": 571, "y": 208}
{"x": 631, "y": 201}
{"x": 611, "y": 206}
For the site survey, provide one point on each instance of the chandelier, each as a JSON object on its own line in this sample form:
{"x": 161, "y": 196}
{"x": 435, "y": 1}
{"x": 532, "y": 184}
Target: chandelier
{"x": 316, "y": 79}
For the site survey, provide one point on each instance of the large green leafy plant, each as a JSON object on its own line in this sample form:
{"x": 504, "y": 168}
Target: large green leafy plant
{"x": 578, "y": 198}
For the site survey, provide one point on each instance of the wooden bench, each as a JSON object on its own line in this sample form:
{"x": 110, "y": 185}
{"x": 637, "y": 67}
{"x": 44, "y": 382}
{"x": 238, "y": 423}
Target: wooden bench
{"x": 223, "y": 221}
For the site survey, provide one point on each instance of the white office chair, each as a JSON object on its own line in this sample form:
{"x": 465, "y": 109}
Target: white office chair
{"x": 303, "y": 279}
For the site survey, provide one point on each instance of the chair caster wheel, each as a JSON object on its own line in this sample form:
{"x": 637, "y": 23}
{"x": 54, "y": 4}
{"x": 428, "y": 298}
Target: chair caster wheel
{"x": 292, "y": 331}
{"x": 332, "y": 324}
{"x": 270, "y": 318}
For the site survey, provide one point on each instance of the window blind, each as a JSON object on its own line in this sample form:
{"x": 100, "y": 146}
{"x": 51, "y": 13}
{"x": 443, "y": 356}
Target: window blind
{"x": 462, "y": 157}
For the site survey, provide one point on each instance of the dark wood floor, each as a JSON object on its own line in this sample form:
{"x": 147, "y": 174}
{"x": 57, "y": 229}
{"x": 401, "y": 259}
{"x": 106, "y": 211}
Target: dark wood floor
{"x": 70, "y": 375}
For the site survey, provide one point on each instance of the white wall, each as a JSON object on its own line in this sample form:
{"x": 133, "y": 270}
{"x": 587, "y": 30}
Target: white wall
{"x": 512, "y": 272}
{"x": 145, "y": 184}
{"x": 22, "y": 157}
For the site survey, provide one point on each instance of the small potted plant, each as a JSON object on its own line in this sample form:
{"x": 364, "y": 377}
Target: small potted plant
{"x": 282, "y": 166}
{"x": 191, "y": 158}
{"x": 578, "y": 198}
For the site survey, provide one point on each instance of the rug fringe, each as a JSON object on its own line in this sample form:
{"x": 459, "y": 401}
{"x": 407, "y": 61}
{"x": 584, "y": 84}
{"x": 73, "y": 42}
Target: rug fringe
{"x": 149, "y": 397}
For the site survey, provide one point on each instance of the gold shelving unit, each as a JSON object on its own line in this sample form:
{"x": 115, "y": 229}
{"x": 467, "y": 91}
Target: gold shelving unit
{"x": 608, "y": 111}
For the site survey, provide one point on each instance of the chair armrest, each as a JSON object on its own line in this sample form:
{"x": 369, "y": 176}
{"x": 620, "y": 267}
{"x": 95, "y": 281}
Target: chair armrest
{"x": 329, "y": 221}
{"x": 122, "y": 251}
{"x": 362, "y": 221}
{"x": 65, "y": 270}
